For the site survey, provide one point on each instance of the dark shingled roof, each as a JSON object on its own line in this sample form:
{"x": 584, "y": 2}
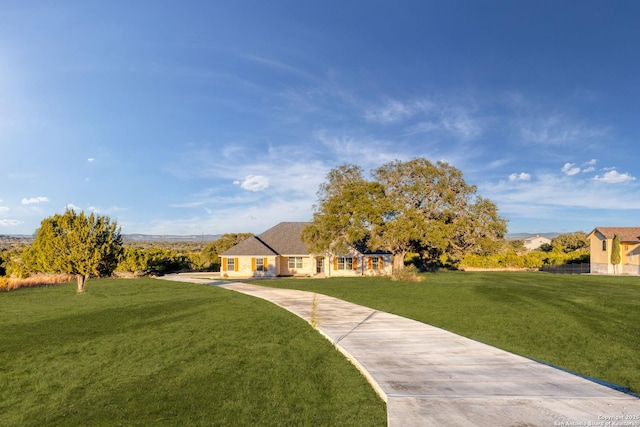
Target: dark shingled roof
{"x": 286, "y": 238}
{"x": 282, "y": 239}
{"x": 626, "y": 234}
{"x": 251, "y": 246}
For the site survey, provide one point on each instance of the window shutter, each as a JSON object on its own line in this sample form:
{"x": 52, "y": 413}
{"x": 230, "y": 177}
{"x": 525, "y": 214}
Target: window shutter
{"x": 236, "y": 264}
{"x": 355, "y": 263}
{"x": 224, "y": 264}
{"x": 253, "y": 264}
{"x": 265, "y": 265}
{"x": 381, "y": 261}
{"x": 369, "y": 263}
{"x": 335, "y": 263}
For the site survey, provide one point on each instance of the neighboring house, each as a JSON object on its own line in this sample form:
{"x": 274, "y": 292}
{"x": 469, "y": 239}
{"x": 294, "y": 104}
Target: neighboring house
{"x": 601, "y": 244}
{"x": 533, "y": 243}
{"x": 280, "y": 251}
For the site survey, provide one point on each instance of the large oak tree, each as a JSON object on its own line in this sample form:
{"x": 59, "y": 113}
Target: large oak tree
{"x": 413, "y": 206}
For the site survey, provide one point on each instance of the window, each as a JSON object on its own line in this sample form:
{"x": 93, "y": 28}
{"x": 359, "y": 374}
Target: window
{"x": 375, "y": 263}
{"x": 295, "y": 262}
{"x": 604, "y": 245}
{"x": 259, "y": 264}
{"x": 231, "y": 264}
{"x": 345, "y": 263}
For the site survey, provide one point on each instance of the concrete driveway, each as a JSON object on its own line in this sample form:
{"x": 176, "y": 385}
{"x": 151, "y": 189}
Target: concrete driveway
{"x": 431, "y": 377}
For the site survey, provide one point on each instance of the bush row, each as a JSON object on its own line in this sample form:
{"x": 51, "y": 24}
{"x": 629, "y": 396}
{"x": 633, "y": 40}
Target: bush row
{"x": 534, "y": 259}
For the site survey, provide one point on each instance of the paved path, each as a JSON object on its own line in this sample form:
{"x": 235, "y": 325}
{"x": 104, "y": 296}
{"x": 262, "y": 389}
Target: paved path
{"x": 431, "y": 377}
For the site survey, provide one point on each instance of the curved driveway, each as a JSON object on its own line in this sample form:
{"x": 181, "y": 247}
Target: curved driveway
{"x": 431, "y": 377}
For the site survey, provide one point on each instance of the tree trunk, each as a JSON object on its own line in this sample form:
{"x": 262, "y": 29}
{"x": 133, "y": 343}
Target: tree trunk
{"x": 82, "y": 279}
{"x": 398, "y": 261}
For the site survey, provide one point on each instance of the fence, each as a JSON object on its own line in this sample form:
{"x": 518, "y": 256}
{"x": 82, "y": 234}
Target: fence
{"x": 583, "y": 268}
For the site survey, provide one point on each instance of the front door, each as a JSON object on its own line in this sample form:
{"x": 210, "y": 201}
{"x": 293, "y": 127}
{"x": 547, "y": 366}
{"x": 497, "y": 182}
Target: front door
{"x": 319, "y": 265}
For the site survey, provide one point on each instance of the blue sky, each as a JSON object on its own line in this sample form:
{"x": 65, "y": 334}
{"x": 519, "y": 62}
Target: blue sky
{"x": 207, "y": 117}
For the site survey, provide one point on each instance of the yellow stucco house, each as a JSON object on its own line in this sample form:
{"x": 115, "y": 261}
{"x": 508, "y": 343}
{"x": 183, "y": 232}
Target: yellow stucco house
{"x": 601, "y": 243}
{"x": 280, "y": 251}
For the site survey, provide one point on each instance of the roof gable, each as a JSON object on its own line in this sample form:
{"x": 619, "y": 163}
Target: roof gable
{"x": 250, "y": 246}
{"x": 626, "y": 234}
{"x": 286, "y": 238}
{"x": 282, "y": 239}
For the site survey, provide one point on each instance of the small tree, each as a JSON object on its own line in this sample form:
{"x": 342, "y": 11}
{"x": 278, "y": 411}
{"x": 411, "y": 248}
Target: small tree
{"x": 76, "y": 244}
{"x": 616, "y": 254}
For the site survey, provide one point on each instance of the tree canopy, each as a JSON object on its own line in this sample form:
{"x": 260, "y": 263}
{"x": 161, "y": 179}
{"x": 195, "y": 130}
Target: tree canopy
{"x": 569, "y": 242}
{"x": 74, "y": 243}
{"x": 210, "y": 254}
{"x": 413, "y": 206}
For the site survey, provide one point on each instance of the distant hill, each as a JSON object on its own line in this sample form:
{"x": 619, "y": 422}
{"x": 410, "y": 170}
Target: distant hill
{"x": 170, "y": 237}
{"x": 522, "y": 236}
{"x": 135, "y": 237}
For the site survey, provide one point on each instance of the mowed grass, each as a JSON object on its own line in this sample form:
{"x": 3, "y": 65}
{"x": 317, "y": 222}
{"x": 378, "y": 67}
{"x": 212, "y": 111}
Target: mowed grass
{"x": 150, "y": 352}
{"x": 586, "y": 324}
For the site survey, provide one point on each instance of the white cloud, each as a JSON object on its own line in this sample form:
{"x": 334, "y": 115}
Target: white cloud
{"x": 9, "y": 222}
{"x": 73, "y": 207}
{"x": 570, "y": 169}
{"x": 32, "y": 200}
{"x": 614, "y": 177}
{"x": 90, "y": 159}
{"x": 255, "y": 183}
{"x": 3, "y": 208}
{"x": 520, "y": 177}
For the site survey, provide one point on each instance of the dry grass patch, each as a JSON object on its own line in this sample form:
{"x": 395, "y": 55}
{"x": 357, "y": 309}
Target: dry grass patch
{"x": 37, "y": 280}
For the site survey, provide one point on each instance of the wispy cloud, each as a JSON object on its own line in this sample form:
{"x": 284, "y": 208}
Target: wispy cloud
{"x": 427, "y": 116}
{"x": 33, "y": 200}
{"x": 279, "y": 65}
{"x": 557, "y": 129}
{"x": 589, "y": 166}
{"x": 9, "y": 222}
{"x": 395, "y": 111}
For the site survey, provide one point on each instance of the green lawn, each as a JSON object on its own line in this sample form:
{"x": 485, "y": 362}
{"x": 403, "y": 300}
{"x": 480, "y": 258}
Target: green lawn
{"x": 149, "y": 352}
{"x": 587, "y": 324}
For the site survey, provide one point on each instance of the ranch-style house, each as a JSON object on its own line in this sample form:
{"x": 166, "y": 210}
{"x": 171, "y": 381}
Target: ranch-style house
{"x": 280, "y": 251}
